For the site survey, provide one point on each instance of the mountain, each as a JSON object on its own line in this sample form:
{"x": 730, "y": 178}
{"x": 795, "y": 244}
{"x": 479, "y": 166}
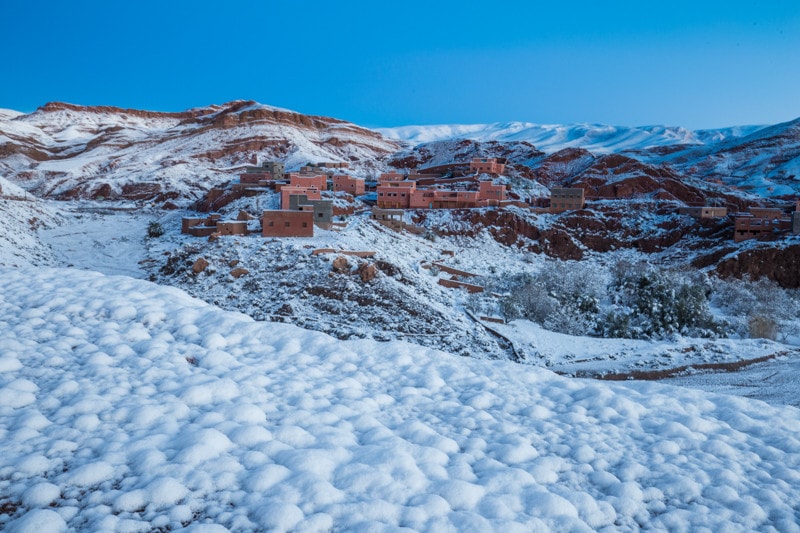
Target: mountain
{"x": 67, "y": 151}
{"x": 765, "y": 162}
{"x": 550, "y": 138}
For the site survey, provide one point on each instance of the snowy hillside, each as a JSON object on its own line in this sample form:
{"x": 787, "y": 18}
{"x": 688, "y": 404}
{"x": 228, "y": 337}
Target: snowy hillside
{"x": 22, "y": 216}
{"x": 765, "y": 162}
{"x": 554, "y": 137}
{"x": 67, "y": 151}
{"x": 127, "y": 406}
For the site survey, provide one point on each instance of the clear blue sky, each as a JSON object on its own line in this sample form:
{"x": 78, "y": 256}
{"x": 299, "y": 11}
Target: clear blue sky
{"x": 699, "y": 64}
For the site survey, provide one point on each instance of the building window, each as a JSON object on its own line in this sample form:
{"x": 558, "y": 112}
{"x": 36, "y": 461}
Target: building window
{"x": 286, "y": 224}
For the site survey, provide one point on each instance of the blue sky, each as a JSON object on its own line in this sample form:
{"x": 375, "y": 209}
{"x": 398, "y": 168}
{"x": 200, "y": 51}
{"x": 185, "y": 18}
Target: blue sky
{"x": 688, "y": 63}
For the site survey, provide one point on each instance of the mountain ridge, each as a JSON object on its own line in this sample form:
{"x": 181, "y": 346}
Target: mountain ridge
{"x": 64, "y": 150}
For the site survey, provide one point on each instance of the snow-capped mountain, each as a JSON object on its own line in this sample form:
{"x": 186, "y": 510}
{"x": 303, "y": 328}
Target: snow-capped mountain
{"x": 65, "y": 151}
{"x": 551, "y": 138}
{"x": 765, "y": 162}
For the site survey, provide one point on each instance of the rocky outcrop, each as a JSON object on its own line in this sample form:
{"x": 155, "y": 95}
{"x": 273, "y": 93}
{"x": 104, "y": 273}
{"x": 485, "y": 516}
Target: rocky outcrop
{"x": 780, "y": 264}
{"x": 52, "y": 107}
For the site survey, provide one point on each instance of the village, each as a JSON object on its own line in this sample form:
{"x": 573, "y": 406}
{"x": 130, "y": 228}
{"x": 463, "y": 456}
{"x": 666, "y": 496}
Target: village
{"x": 307, "y": 199}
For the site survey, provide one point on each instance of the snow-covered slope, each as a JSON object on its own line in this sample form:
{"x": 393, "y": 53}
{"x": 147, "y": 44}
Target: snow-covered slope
{"x": 554, "y": 137}
{"x": 22, "y": 215}
{"x": 127, "y": 406}
{"x": 64, "y": 151}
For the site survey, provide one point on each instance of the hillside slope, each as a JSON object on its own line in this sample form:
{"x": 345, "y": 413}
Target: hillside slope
{"x": 22, "y": 216}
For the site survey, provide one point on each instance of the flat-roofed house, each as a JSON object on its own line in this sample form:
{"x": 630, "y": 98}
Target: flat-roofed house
{"x": 566, "y": 199}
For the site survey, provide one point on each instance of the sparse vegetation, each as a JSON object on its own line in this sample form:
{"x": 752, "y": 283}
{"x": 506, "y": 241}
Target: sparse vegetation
{"x": 155, "y": 229}
{"x": 639, "y": 301}
{"x": 759, "y": 309}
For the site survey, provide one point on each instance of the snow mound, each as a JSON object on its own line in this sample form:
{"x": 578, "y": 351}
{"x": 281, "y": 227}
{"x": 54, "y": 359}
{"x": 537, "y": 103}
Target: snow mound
{"x": 145, "y": 409}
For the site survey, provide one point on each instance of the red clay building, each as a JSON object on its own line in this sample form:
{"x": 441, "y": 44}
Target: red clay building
{"x": 706, "y": 211}
{"x": 320, "y": 181}
{"x": 232, "y": 227}
{"x": 287, "y": 224}
{"x": 766, "y": 212}
{"x": 254, "y": 178}
{"x": 443, "y": 199}
{"x": 344, "y": 183}
{"x": 311, "y": 193}
{"x": 395, "y": 194}
{"x": 405, "y": 195}
{"x": 749, "y": 227}
{"x": 490, "y": 192}
{"x": 487, "y": 165}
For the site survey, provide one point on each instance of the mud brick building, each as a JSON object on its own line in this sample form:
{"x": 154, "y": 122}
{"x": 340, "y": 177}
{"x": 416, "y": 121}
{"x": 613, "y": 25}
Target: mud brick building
{"x": 283, "y": 223}
{"x": 488, "y": 165}
{"x": 344, "y": 183}
{"x": 706, "y": 211}
{"x": 566, "y": 199}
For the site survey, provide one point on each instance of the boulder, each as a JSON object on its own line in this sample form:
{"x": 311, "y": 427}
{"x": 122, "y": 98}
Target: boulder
{"x": 239, "y": 272}
{"x": 199, "y": 265}
{"x": 341, "y": 265}
{"x": 367, "y": 271}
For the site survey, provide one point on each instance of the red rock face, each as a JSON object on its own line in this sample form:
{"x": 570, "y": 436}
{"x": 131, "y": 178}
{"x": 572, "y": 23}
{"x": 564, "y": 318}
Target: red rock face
{"x": 780, "y": 264}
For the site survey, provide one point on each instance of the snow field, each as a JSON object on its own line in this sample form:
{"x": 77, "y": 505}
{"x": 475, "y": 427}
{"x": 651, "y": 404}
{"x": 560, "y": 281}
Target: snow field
{"x": 126, "y": 406}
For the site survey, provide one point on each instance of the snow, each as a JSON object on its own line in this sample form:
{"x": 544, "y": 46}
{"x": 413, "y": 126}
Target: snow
{"x": 774, "y": 382}
{"x": 103, "y": 237}
{"x": 147, "y": 409}
{"x": 7, "y": 114}
{"x": 22, "y": 216}
{"x": 590, "y": 356}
